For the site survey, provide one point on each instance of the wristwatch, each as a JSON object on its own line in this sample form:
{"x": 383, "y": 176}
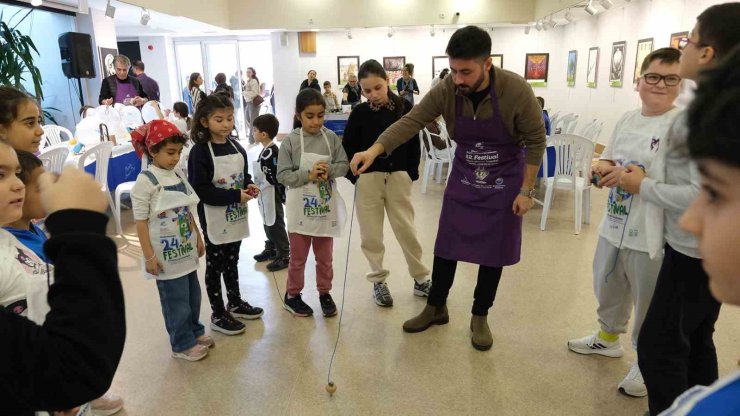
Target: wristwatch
{"x": 529, "y": 193}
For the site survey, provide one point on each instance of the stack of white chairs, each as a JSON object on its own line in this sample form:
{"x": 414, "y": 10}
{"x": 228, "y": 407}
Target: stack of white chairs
{"x": 53, "y": 135}
{"x": 435, "y": 158}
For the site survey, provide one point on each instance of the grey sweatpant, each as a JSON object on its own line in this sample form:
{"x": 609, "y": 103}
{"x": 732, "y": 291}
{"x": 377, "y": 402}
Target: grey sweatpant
{"x": 623, "y": 278}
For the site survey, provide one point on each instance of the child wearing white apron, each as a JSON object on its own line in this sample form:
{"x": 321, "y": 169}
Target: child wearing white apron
{"x": 310, "y": 160}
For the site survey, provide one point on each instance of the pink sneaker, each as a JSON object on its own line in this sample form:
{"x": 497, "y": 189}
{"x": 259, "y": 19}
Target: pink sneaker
{"x": 206, "y": 341}
{"x": 198, "y": 352}
{"x": 107, "y": 405}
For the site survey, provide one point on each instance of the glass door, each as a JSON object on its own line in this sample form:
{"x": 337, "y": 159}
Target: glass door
{"x": 222, "y": 57}
{"x": 189, "y": 57}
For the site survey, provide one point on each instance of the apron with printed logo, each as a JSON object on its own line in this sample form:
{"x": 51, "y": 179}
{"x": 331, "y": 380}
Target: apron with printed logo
{"x": 230, "y": 223}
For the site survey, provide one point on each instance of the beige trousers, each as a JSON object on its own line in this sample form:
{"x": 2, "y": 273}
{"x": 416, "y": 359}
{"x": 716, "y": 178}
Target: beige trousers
{"x": 377, "y": 193}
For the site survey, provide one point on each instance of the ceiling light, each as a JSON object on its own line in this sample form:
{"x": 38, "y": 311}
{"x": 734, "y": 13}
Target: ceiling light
{"x": 431, "y": 31}
{"x": 569, "y": 16}
{"x": 110, "y": 11}
{"x": 349, "y": 34}
{"x": 35, "y": 3}
{"x": 607, "y": 4}
{"x": 390, "y": 32}
{"x": 527, "y": 29}
{"x": 590, "y": 9}
{"x": 549, "y": 24}
{"x": 145, "y": 16}
{"x": 538, "y": 25}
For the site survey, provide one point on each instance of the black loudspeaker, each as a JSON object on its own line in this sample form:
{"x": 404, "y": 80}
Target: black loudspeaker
{"x": 77, "y": 55}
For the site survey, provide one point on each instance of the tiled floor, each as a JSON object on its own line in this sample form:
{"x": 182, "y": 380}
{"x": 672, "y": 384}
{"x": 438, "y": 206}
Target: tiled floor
{"x": 279, "y": 366}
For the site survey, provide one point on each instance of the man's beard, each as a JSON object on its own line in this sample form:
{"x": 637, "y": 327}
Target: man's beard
{"x": 468, "y": 90}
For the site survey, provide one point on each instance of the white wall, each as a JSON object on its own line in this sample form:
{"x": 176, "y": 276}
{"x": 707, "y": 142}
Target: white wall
{"x": 160, "y": 66}
{"x": 103, "y": 32}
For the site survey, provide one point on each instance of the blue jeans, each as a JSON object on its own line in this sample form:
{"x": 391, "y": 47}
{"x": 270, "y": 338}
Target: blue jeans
{"x": 180, "y": 299}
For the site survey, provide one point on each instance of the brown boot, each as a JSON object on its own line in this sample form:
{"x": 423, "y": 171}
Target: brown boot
{"x": 431, "y": 315}
{"x": 482, "y": 339}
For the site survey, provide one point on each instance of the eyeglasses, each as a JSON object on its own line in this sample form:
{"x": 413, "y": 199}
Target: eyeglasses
{"x": 685, "y": 41}
{"x": 654, "y": 79}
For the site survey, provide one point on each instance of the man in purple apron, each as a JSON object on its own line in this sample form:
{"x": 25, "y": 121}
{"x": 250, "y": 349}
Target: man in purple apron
{"x": 496, "y": 121}
{"x": 121, "y": 88}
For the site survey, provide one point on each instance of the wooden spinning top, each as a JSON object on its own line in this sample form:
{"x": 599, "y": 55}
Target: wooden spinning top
{"x": 331, "y": 388}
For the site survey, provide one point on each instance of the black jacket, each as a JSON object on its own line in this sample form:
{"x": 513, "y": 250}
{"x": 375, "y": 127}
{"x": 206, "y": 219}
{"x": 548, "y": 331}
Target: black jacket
{"x": 365, "y": 126}
{"x": 72, "y": 358}
{"x": 314, "y": 85}
{"x": 108, "y": 89}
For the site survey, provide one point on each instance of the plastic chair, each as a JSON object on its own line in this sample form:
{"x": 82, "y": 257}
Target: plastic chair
{"x": 554, "y": 121}
{"x": 54, "y": 158}
{"x": 569, "y": 124}
{"x": 434, "y": 158}
{"x": 125, "y": 188}
{"x": 572, "y": 170}
{"x": 53, "y": 135}
{"x": 102, "y": 153}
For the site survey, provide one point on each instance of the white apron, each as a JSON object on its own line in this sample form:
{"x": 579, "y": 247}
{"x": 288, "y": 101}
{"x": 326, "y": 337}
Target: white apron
{"x": 174, "y": 241}
{"x": 316, "y": 208}
{"x": 37, "y": 284}
{"x": 266, "y": 199}
{"x": 227, "y": 224}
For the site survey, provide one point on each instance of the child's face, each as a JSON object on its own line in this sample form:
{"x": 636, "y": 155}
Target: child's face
{"x": 327, "y": 88}
{"x": 25, "y": 132}
{"x": 220, "y": 123}
{"x": 12, "y": 190}
{"x": 261, "y": 136}
{"x": 168, "y": 156}
{"x": 375, "y": 89}
{"x": 714, "y": 217}
{"x": 312, "y": 118}
{"x": 659, "y": 96}
{"x": 32, "y": 208}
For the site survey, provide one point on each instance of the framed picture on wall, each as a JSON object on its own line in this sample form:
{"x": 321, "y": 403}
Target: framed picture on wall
{"x": 644, "y": 47}
{"x": 593, "y": 67}
{"x": 570, "y": 77}
{"x": 676, "y": 39}
{"x": 616, "y": 69}
{"x": 438, "y": 64}
{"x": 346, "y": 65}
{"x": 498, "y": 60}
{"x": 393, "y": 66}
{"x": 106, "y": 61}
{"x": 535, "y": 69}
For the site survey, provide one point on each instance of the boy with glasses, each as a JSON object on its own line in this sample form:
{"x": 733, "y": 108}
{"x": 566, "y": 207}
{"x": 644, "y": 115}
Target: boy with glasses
{"x": 675, "y": 349}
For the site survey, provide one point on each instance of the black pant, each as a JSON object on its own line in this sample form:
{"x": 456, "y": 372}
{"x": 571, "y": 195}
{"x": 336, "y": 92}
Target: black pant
{"x": 675, "y": 349}
{"x": 277, "y": 236}
{"x": 222, "y": 259}
{"x": 443, "y": 274}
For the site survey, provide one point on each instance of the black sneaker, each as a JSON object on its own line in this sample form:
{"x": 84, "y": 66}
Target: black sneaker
{"x": 245, "y": 310}
{"x": 327, "y": 305}
{"x": 297, "y": 306}
{"x": 226, "y": 324}
{"x": 422, "y": 289}
{"x": 279, "y": 263}
{"x": 382, "y": 295}
{"x": 268, "y": 253}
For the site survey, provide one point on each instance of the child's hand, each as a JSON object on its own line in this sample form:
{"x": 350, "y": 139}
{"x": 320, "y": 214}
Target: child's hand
{"x": 245, "y": 196}
{"x": 201, "y": 247}
{"x": 153, "y": 266}
{"x": 73, "y": 189}
{"x": 318, "y": 171}
{"x": 610, "y": 175}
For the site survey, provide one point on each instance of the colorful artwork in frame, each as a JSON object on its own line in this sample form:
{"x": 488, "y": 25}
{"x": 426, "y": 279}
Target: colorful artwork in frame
{"x": 393, "y": 66}
{"x": 644, "y": 47}
{"x": 346, "y": 65}
{"x": 676, "y": 39}
{"x": 438, "y": 64}
{"x": 498, "y": 60}
{"x": 616, "y": 69}
{"x": 571, "y": 72}
{"x": 536, "y": 68}
{"x": 592, "y": 69}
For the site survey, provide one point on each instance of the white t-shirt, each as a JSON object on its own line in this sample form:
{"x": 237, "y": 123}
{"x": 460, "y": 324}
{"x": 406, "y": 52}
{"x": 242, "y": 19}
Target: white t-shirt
{"x": 635, "y": 140}
{"x": 18, "y": 264}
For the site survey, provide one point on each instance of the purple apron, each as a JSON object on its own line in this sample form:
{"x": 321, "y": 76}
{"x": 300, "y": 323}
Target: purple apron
{"x": 124, "y": 90}
{"x": 477, "y": 224}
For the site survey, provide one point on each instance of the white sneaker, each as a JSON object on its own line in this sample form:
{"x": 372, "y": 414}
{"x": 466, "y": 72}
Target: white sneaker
{"x": 593, "y": 344}
{"x": 633, "y": 385}
{"x": 197, "y": 352}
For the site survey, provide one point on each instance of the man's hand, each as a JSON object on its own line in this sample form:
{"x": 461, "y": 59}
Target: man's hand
{"x": 363, "y": 160}
{"x": 73, "y": 189}
{"x": 107, "y": 101}
{"x": 138, "y": 101}
{"x": 632, "y": 179}
{"x": 522, "y": 204}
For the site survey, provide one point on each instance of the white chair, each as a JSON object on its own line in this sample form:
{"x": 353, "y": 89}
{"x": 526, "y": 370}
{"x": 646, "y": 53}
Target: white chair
{"x": 125, "y": 188}
{"x": 558, "y": 124}
{"x": 595, "y": 131}
{"x": 569, "y": 124}
{"x": 435, "y": 158}
{"x": 102, "y": 153}
{"x": 53, "y": 135}
{"x": 554, "y": 121}
{"x": 54, "y": 158}
{"x": 572, "y": 170}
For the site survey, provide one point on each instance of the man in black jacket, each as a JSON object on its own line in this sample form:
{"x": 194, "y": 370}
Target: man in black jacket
{"x": 72, "y": 357}
{"x": 121, "y": 88}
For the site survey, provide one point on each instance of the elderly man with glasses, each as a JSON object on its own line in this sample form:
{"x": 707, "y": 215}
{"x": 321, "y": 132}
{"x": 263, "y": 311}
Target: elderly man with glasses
{"x": 122, "y": 88}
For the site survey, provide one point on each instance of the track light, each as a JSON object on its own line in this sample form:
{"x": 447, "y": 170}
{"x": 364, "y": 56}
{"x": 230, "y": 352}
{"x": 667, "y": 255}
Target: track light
{"x": 569, "y": 16}
{"x": 110, "y": 11}
{"x": 35, "y": 3}
{"x": 607, "y": 4}
{"x": 145, "y": 16}
{"x": 538, "y": 25}
{"x": 390, "y": 32}
{"x": 590, "y": 9}
{"x": 527, "y": 29}
{"x": 349, "y": 34}
{"x": 431, "y": 31}
{"x": 549, "y": 24}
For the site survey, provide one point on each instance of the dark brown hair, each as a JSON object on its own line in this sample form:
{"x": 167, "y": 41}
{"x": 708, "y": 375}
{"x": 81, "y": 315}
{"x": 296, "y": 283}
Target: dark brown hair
{"x": 10, "y": 100}
{"x": 29, "y": 162}
{"x": 373, "y": 67}
{"x": 664, "y": 55}
{"x": 206, "y": 107}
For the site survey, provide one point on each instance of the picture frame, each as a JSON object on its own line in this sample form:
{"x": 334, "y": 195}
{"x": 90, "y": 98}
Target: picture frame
{"x": 498, "y": 60}
{"x": 676, "y": 39}
{"x": 106, "y": 61}
{"x": 438, "y": 64}
{"x": 616, "y": 68}
{"x": 346, "y": 65}
{"x": 644, "y": 47}
{"x": 592, "y": 69}
{"x": 393, "y": 66}
{"x": 536, "y": 67}
{"x": 570, "y": 77}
